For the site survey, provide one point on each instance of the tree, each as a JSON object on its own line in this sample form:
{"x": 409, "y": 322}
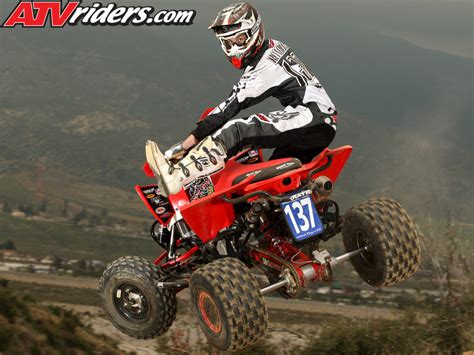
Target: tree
{"x": 8, "y": 245}
{"x": 104, "y": 213}
{"x": 80, "y": 216}
{"x": 94, "y": 220}
{"x": 6, "y": 208}
{"x": 81, "y": 265}
{"x": 27, "y": 210}
{"x": 65, "y": 211}
{"x": 43, "y": 205}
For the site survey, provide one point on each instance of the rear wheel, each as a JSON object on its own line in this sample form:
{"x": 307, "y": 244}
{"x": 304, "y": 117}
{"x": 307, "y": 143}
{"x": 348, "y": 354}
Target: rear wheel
{"x": 385, "y": 227}
{"x": 132, "y": 301}
{"x": 227, "y": 301}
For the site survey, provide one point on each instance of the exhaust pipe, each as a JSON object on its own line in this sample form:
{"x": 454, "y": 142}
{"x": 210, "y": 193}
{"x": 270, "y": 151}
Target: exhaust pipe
{"x": 323, "y": 185}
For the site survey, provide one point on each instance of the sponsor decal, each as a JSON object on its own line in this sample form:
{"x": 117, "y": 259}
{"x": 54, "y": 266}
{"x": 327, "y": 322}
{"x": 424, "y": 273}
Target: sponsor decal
{"x": 263, "y": 118}
{"x": 200, "y": 188}
{"x": 301, "y": 194}
{"x": 157, "y": 203}
{"x": 253, "y": 153}
{"x": 58, "y": 14}
{"x": 283, "y": 166}
{"x": 156, "y": 200}
{"x": 160, "y": 210}
{"x": 249, "y": 157}
{"x": 278, "y": 116}
{"x": 253, "y": 173}
{"x": 243, "y": 159}
{"x": 278, "y": 52}
{"x": 148, "y": 191}
{"x": 204, "y": 161}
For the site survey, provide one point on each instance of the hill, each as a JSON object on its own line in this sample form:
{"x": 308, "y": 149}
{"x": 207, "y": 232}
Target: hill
{"x": 84, "y": 100}
{"x": 60, "y": 193}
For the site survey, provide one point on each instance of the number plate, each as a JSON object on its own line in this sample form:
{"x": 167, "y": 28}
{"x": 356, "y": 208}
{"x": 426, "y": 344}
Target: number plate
{"x": 301, "y": 216}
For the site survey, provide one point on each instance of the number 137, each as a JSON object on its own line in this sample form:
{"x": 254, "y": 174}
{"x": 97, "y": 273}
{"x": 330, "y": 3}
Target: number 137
{"x": 300, "y": 221}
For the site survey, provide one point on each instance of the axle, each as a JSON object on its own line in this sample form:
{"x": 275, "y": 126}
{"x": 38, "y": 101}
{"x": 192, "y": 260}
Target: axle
{"x": 308, "y": 270}
{"x": 274, "y": 286}
{"x": 347, "y": 256}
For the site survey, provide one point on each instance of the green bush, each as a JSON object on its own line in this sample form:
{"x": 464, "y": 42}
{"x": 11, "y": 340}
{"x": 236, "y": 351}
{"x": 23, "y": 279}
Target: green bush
{"x": 69, "y": 322}
{"x": 370, "y": 337}
{"x": 452, "y": 325}
{"x": 7, "y": 305}
{"x": 57, "y": 311}
{"x": 6, "y": 334}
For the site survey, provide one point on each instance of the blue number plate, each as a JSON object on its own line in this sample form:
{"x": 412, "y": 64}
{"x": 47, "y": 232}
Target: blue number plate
{"x": 301, "y": 216}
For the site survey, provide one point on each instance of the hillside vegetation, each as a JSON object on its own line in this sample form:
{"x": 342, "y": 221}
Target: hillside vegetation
{"x": 30, "y": 328}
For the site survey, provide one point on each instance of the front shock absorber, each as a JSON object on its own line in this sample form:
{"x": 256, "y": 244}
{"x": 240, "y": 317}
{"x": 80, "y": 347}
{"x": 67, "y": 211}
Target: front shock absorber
{"x": 253, "y": 215}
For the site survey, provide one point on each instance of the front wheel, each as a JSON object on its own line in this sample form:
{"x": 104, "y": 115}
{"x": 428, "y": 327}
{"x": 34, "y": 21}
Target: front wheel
{"x": 384, "y": 226}
{"x": 132, "y": 301}
{"x": 226, "y": 299}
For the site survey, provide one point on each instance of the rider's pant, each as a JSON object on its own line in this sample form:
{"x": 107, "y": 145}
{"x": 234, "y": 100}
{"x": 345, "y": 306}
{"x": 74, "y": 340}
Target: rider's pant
{"x": 301, "y": 132}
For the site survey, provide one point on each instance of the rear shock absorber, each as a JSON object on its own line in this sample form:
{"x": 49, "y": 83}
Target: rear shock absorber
{"x": 278, "y": 245}
{"x": 304, "y": 266}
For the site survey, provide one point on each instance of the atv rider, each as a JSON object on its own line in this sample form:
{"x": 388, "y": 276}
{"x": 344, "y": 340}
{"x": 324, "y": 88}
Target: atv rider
{"x": 302, "y": 129}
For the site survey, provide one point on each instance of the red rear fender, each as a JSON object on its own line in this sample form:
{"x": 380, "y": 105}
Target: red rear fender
{"x": 207, "y": 216}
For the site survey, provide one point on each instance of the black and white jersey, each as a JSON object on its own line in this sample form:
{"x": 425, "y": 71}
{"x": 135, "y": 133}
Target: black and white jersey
{"x": 275, "y": 71}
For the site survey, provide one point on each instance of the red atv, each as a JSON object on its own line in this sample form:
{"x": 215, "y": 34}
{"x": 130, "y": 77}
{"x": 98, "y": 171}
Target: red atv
{"x": 271, "y": 215}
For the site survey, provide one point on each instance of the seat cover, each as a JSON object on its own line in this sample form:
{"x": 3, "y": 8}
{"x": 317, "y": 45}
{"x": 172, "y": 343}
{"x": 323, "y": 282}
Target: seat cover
{"x": 270, "y": 172}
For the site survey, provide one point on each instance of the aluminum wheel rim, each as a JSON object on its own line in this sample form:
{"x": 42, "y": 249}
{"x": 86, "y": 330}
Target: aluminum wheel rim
{"x": 209, "y": 311}
{"x": 131, "y": 302}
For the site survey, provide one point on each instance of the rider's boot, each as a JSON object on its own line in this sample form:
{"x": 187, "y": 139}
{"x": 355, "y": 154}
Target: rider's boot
{"x": 206, "y": 158}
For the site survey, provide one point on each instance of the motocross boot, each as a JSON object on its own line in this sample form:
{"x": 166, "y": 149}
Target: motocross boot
{"x": 206, "y": 158}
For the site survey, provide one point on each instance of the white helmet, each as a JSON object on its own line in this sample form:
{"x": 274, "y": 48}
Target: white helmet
{"x": 240, "y": 31}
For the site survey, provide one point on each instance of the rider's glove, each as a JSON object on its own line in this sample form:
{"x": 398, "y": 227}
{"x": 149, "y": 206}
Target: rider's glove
{"x": 175, "y": 152}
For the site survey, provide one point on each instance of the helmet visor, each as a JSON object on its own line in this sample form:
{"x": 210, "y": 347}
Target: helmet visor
{"x": 219, "y": 30}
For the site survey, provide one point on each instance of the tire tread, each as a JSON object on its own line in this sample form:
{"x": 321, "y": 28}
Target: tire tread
{"x": 148, "y": 272}
{"x": 239, "y": 291}
{"x": 397, "y": 236}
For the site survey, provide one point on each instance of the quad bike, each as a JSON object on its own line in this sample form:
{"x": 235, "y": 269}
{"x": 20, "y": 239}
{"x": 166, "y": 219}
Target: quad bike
{"x": 271, "y": 215}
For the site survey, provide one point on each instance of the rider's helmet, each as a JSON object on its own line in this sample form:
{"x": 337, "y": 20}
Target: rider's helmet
{"x": 240, "y": 31}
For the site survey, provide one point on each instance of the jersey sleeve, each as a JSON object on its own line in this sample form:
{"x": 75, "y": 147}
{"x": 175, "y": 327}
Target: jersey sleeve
{"x": 219, "y": 116}
{"x": 253, "y": 87}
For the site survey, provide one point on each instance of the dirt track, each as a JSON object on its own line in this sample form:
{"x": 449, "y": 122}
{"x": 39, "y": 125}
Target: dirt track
{"x": 273, "y": 303}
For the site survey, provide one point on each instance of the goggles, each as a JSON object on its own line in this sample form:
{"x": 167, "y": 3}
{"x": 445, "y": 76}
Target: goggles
{"x": 240, "y": 40}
